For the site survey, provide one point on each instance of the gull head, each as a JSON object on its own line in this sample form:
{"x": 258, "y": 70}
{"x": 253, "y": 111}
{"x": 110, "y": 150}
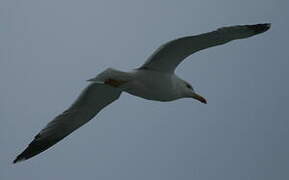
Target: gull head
{"x": 188, "y": 91}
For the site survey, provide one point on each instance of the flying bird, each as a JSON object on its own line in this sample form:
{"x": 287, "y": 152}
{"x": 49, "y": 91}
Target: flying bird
{"x": 154, "y": 80}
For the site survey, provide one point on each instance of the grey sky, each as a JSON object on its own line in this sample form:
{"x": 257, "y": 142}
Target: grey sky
{"x": 49, "y": 48}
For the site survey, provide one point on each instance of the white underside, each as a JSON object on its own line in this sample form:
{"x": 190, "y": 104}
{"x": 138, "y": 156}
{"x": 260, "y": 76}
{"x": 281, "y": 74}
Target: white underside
{"x": 152, "y": 85}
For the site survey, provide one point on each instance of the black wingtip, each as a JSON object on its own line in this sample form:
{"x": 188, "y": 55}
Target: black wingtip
{"x": 23, "y": 156}
{"x": 259, "y": 28}
{"x": 19, "y": 159}
{"x": 36, "y": 147}
{"x": 15, "y": 161}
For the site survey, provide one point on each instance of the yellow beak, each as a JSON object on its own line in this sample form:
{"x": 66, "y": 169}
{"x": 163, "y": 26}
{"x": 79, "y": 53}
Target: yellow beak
{"x": 199, "y": 98}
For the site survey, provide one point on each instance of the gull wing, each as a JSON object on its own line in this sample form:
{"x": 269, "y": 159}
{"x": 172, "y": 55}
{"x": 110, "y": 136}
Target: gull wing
{"x": 168, "y": 56}
{"x": 92, "y": 100}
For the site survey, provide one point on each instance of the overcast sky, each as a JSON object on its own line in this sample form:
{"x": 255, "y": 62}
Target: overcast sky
{"x": 49, "y": 48}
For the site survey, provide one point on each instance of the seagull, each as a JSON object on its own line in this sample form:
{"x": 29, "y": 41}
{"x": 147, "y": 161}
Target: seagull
{"x": 154, "y": 80}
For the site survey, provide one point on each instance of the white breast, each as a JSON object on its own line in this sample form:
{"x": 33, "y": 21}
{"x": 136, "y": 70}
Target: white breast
{"x": 153, "y": 85}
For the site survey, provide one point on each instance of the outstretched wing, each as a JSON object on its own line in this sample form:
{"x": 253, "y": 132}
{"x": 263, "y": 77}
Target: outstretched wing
{"x": 168, "y": 56}
{"x": 92, "y": 100}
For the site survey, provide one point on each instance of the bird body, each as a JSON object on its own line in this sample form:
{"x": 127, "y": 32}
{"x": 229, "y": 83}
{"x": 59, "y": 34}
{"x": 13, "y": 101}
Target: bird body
{"x": 154, "y": 85}
{"x": 154, "y": 80}
{"x": 151, "y": 85}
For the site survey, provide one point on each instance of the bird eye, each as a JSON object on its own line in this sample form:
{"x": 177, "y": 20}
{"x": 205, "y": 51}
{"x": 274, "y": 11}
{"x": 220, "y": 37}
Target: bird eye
{"x": 189, "y": 86}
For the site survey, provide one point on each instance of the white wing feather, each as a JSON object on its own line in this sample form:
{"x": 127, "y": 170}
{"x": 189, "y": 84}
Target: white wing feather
{"x": 168, "y": 56}
{"x": 92, "y": 100}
